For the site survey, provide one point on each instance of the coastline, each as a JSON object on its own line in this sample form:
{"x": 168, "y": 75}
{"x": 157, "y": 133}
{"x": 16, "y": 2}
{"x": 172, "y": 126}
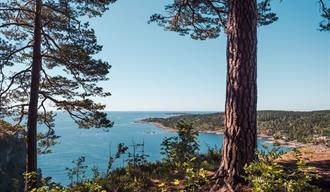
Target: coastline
{"x": 269, "y": 139}
{"x": 159, "y": 125}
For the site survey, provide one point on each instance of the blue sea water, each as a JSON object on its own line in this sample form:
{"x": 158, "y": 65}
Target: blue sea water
{"x": 97, "y": 144}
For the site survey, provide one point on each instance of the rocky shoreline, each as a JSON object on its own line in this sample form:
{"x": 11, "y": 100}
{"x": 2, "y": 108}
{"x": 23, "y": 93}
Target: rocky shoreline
{"x": 270, "y": 139}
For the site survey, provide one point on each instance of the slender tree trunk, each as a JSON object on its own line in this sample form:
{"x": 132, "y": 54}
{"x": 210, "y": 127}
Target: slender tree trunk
{"x": 241, "y": 94}
{"x": 31, "y": 143}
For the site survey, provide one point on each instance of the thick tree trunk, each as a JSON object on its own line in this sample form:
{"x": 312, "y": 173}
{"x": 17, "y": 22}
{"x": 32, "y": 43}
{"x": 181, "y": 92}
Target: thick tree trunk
{"x": 241, "y": 94}
{"x": 31, "y": 144}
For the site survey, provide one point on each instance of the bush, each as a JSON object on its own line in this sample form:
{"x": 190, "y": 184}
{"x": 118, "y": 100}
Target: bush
{"x": 266, "y": 175}
{"x": 181, "y": 153}
{"x": 183, "y": 147}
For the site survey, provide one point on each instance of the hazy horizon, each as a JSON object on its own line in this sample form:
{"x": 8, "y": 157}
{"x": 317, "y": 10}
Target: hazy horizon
{"x": 203, "y": 111}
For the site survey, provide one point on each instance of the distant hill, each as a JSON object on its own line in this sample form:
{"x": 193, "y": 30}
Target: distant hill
{"x": 289, "y": 125}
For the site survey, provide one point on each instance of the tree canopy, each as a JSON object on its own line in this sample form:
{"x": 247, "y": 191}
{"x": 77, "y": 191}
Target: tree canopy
{"x": 203, "y": 19}
{"x": 69, "y": 73}
{"x": 325, "y": 14}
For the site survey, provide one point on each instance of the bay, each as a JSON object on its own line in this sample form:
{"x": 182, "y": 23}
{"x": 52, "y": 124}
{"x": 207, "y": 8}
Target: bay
{"x": 97, "y": 144}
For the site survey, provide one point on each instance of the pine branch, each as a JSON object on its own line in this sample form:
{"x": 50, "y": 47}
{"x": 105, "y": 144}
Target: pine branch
{"x": 13, "y": 80}
{"x": 15, "y": 24}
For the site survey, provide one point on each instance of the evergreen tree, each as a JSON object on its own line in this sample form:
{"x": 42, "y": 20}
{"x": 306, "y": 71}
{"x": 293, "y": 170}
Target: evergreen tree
{"x": 46, "y": 58}
{"x": 238, "y": 19}
{"x": 325, "y": 24}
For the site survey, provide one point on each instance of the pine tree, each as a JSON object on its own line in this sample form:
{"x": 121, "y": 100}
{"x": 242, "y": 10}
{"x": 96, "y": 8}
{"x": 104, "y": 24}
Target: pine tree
{"x": 324, "y": 24}
{"x": 46, "y": 58}
{"x": 238, "y": 19}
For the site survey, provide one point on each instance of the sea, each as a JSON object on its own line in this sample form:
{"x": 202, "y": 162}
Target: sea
{"x": 96, "y": 145}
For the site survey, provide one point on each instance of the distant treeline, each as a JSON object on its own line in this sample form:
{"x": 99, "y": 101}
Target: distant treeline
{"x": 290, "y": 125}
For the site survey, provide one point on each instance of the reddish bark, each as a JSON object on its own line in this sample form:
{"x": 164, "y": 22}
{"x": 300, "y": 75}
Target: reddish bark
{"x": 31, "y": 143}
{"x": 241, "y": 94}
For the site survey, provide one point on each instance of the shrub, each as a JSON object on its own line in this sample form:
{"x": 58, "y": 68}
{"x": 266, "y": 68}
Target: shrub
{"x": 181, "y": 152}
{"x": 183, "y": 147}
{"x": 266, "y": 175}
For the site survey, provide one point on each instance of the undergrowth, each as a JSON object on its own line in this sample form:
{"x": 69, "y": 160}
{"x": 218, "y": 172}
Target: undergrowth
{"x": 183, "y": 169}
{"x": 267, "y": 174}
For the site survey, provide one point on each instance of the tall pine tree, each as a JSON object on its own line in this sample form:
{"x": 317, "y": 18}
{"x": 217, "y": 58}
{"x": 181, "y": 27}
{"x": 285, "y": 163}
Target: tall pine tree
{"x": 238, "y": 19}
{"x": 46, "y": 58}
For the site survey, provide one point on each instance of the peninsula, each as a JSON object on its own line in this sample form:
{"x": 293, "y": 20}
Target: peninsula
{"x": 282, "y": 126}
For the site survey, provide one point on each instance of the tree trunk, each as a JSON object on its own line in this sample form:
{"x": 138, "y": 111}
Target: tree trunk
{"x": 31, "y": 143}
{"x": 241, "y": 95}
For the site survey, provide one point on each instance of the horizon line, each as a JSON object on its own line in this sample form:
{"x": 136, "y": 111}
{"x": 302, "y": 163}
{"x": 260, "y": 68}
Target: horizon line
{"x": 211, "y": 111}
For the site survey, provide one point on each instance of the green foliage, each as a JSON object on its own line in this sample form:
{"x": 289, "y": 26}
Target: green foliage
{"x": 45, "y": 185}
{"x": 210, "y": 160}
{"x": 87, "y": 186}
{"x": 186, "y": 174}
{"x": 181, "y": 152}
{"x": 69, "y": 72}
{"x": 289, "y": 125}
{"x": 301, "y": 126}
{"x": 136, "y": 156}
{"x": 204, "y": 19}
{"x": 325, "y": 14}
{"x": 133, "y": 176}
{"x": 81, "y": 183}
{"x": 139, "y": 175}
{"x": 194, "y": 177}
{"x": 121, "y": 149}
{"x": 201, "y": 122}
{"x": 183, "y": 147}
{"x": 266, "y": 175}
{"x": 78, "y": 173}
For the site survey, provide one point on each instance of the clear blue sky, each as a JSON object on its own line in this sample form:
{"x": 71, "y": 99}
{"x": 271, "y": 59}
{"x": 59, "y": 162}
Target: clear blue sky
{"x": 157, "y": 70}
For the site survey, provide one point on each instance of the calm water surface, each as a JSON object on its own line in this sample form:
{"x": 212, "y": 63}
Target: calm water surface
{"x": 97, "y": 144}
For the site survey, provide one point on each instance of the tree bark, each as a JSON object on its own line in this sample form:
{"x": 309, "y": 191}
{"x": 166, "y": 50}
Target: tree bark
{"x": 31, "y": 143}
{"x": 241, "y": 94}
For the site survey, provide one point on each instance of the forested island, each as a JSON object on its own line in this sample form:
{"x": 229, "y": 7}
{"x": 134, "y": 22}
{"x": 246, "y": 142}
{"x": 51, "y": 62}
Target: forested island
{"x": 306, "y": 127}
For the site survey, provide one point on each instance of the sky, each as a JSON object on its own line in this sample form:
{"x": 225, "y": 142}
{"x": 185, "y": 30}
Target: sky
{"x": 157, "y": 70}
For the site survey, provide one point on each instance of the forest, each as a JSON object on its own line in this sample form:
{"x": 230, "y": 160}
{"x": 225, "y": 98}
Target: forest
{"x": 301, "y": 126}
